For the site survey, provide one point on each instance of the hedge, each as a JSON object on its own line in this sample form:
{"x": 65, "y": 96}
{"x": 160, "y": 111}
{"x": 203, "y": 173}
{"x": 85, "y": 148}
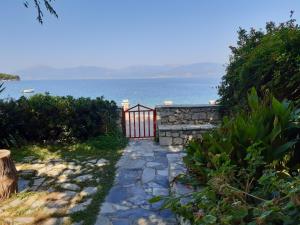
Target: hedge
{"x": 43, "y": 118}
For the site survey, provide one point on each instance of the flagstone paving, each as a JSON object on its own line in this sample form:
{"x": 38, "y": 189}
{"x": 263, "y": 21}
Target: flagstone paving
{"x": 142, "y": 173}
{"x": 50, "y": 191}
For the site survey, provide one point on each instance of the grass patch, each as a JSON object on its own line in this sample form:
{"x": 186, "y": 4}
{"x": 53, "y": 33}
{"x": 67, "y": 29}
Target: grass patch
{"x": 100, "y": 147}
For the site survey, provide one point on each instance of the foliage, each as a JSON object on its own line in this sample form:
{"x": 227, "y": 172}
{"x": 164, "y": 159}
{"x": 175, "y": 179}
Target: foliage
{"x": 5, "y": 76}
{"x": 267, "y": 60}
{"x": 247, "y": 168}
{"x": 44, "y": 118}
{"x": 269, "y": 123}
{"x": 1, "y": 87}
{"x": 38, "y": 6}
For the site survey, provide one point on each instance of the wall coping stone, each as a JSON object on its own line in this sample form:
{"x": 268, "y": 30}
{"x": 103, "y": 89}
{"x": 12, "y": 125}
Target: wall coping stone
{"x": 185, "y": 127}
{"x": 188, "y": 106}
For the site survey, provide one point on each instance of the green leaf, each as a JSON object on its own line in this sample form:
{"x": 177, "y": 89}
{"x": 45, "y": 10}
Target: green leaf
{"x": 279, "y": 151}
{"x": 277, "y": 107}
{"x": 253, "y": 99}
{"x": 239, "y": 213}
{"x": 1, "y": 87}
{"x": 209, "y": 219}
{"x": 265, "y": 214}
{"x": 155, "y": 199}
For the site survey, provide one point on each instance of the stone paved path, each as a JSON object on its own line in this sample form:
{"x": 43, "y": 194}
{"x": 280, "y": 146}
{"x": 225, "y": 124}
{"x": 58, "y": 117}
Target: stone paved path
{"x": 50, "y": 190}
{"x": 142, "y": 173}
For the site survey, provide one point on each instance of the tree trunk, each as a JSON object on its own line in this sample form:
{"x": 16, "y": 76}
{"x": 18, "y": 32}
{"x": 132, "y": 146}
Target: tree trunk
{"x": 8, "y": 175}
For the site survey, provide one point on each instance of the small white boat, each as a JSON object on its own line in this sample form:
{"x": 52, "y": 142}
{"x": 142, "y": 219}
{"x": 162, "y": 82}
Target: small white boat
{"x": 168, "y": 102}
{"x": 212, "y": 102}
{"x": 28, "y": 91}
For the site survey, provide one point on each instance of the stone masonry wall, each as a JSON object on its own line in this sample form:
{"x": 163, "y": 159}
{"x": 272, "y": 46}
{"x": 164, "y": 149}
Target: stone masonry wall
{"x": 176, "y": 124}
{"x": 179, "y": 137}
{"x": 187, "y": 114}
{"x": 181, "y": 134}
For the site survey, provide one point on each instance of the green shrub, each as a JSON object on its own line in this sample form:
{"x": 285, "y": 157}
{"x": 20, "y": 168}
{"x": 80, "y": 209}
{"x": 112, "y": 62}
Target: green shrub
{"x": 270, "y": 124}
{"x": 268, "y": 61}
{"x": 245, "y": 168}
{"x": 45, "y": 118}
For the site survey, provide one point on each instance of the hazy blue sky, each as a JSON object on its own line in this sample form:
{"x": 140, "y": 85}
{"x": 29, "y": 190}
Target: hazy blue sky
{"x": 118, "y": 33}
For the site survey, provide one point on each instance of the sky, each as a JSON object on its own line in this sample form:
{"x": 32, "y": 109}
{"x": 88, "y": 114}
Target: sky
{"x": 121, "y": 33}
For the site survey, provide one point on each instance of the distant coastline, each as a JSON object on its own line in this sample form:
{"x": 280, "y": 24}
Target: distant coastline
{"x": 7, "y": 77}
{"x": 195, "y": 70}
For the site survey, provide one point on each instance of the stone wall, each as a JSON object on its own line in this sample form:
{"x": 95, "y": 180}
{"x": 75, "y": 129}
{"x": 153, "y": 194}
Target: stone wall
{"x": 181, "y": 134}
{"x": 176, "y": 124}
{"x": 187, "y": 114}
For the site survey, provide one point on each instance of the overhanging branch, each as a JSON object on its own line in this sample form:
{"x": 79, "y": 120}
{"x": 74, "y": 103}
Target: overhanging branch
{"x": 38, "y": 6}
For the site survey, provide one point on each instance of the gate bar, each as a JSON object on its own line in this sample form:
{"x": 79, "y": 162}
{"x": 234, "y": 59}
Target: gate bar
{"x": 134, "y": 124}
{"x": 123, "y": 122}
{"x": 144, "y": 124}
{"x": 148, "y": 123}
{"x": 129, "y": 125}
{"x": 136, "y": 106}
{"x": 139, "y": 121}
{"x": 154, "y": 123}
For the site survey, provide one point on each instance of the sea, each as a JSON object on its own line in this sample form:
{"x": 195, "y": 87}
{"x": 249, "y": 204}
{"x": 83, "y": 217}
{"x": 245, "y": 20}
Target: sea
{"x": 149, "y": 92}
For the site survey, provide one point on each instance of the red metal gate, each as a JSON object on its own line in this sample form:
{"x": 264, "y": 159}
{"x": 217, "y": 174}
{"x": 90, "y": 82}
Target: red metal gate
{"x": 139, "y": 122}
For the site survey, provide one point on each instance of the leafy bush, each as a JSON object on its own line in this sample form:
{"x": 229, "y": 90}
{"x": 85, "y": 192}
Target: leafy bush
{"x": 267, "y": 60}
{"x": 269, "y": 124}
{"x": 45, "y": 118}
{"x": 245, "y": 168}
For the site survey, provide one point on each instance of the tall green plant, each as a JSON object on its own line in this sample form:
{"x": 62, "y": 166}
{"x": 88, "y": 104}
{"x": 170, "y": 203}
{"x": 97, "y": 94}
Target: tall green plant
{"x": 272, "y": 124}
{"x": 244, "y": 168}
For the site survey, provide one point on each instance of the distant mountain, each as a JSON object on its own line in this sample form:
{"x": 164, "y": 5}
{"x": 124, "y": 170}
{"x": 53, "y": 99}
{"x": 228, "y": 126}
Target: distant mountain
{"x": 206, "y": 70}
{"x": 50, "y": 73}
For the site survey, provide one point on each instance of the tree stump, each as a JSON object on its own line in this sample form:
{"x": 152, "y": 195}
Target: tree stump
{"x": 8, "y": 175}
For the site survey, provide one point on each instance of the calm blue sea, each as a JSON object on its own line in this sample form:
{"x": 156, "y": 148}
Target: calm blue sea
{"x": 149, "y": 92}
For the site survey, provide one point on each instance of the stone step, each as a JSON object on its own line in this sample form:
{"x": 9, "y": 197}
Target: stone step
{"x": 180, "y": 134}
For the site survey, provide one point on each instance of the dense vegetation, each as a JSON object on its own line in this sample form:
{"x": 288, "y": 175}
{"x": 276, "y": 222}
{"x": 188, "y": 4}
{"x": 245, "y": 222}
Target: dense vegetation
{"x": 267, "y": 60}
{"x": 44, "y": 118}
{"x": 5, "y": 76}
{"x": 247, "y": 171}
